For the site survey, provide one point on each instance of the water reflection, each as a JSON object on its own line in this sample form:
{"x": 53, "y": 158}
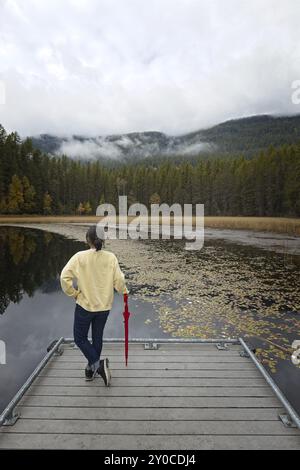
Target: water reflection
{"x": 30, "y": 260}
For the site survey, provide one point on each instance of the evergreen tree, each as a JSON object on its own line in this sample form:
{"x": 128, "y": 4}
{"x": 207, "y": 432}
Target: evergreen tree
{"x": 15, "y": 196}
{"x": 47, "y": 204}
{"x": 80, "y": 209}
{"x": 28, "y": 196}
{"x": 267, "y": 184}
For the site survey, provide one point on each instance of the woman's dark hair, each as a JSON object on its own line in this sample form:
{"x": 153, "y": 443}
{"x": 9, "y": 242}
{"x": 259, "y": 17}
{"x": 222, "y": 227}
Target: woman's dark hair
{"x": 93, "y": 239}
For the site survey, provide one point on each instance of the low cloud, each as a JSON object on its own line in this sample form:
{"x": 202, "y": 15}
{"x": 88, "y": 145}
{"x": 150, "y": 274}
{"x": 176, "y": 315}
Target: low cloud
{"x": 195, "y": 149}
{"x": 89, "y": 149}
{"x": 137, "y": 145}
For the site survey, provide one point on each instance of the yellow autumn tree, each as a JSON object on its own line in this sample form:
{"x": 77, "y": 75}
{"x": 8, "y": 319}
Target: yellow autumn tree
{"x": 28, "y": 196}
{"x": 154, "y": 198}
{"x": 15, "y": 196}
{"x": 80, "y": 209}
{"x": 47, "y": 204}
{"x": 87, "y": 207}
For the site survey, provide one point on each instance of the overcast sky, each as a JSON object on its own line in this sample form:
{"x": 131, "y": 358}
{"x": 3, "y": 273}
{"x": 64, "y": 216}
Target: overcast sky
{"x": 107, "y": 66}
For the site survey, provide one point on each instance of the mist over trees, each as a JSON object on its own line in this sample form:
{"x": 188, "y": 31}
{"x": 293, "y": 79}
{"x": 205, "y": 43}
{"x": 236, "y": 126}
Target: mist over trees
{"x": 32, "y": 182}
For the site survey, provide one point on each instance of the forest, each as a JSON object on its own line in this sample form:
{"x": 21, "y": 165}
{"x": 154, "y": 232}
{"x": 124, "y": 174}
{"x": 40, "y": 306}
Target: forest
{"x": 32, "y": 182}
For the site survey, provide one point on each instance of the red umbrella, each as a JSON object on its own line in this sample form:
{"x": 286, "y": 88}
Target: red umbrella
{"x": 126, "y": 315}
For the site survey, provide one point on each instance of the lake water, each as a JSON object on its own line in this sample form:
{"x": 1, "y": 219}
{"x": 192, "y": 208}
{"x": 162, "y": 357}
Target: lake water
{"x": 241, "y": 290}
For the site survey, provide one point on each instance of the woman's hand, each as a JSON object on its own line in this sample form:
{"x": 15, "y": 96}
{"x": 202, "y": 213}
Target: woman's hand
{"x": 76, "y": 294}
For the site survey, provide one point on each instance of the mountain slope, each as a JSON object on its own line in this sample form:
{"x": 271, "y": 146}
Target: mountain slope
{"x": 246, "y": 135}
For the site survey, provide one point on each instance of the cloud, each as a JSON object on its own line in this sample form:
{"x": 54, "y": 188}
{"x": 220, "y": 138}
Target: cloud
{"x": 195, "y": 149}
{"x": 89, "y": 149}
{"x": 134, "y": 145}
{"x": 98, "y": 67}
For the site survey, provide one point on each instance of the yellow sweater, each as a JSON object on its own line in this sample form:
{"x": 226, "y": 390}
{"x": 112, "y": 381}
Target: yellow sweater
{"x": 97, "y": 274}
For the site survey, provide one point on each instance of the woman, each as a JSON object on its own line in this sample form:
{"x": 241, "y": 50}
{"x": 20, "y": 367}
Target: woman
{"x": 97, "y": 273}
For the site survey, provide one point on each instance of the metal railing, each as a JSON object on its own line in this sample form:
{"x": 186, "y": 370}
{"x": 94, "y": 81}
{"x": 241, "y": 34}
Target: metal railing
{"x": 9, "y": 416}
{"x": 292, "y": 416}
{"x": 166, "y": 340}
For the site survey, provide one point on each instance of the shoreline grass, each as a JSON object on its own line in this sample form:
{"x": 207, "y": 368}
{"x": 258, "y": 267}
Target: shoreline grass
{"x": 282, "y": 225}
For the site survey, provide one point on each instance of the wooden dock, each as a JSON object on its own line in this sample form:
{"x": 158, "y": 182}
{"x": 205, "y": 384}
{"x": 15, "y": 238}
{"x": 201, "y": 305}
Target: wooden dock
{"x": 181, "y": 396}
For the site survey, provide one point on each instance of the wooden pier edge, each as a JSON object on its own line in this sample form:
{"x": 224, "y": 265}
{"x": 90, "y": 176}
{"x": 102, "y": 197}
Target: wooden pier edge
{"x": 179, "y": 396}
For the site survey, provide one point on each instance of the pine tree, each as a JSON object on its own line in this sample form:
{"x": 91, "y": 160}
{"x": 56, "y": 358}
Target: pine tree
{"x": 28, "y": 195}
{"x": 3, "y": 206}
{"x": 80, "y": 209}
{"x": 102, "y": 200}
{"x": 47, "y": 204}
{"x": 15, "y": 196}
{"x": 87, "y": 207}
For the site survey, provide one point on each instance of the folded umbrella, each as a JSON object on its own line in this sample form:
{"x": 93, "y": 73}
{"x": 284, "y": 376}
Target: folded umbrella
{"x": 126, "y": 315}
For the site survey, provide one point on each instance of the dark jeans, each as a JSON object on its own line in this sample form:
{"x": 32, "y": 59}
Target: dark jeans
{"x": 82, "y": 322}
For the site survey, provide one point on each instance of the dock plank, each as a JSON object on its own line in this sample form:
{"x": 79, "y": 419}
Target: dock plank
{"x": 133, "y": 382}
{"x": 160, "y": 372}
{"x": 155, "y": 353}
{"x": 149, "y": 391}
{"x": 154, "y": 402}
{"x": 170, "y": 358}
{"x": 181, "y": 347}
{"x": 123, "y": 428}
{"x": 168, "y": 365}
{"x": 181, "y": 396}
{"x": 98, "y": 441}
{"x": 170, "y": 414}
{"x": 139, "y": 377}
